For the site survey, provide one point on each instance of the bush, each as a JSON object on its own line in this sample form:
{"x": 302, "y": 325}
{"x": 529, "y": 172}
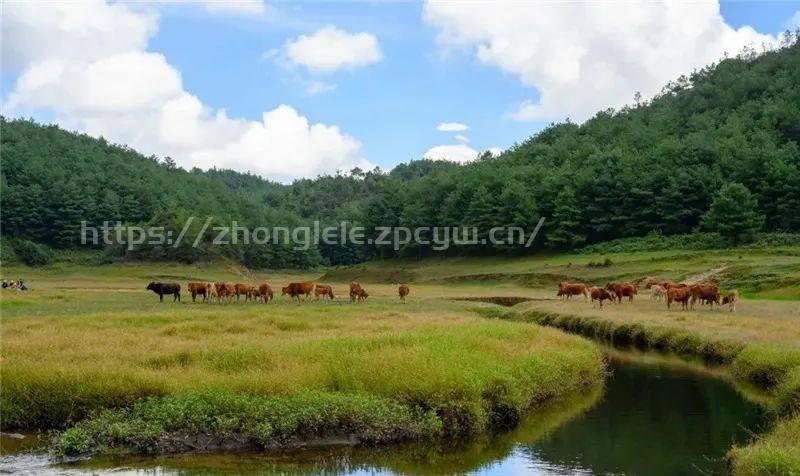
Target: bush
{"x": 32, "y": 254}
{"x": 7, "y": 254}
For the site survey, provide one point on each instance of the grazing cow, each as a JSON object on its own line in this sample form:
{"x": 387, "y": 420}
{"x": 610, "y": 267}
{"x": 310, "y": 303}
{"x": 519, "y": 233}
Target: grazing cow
{"x": 730, "y": 300}
{"x": 295, "y": 290}
{"x": 403, "y": 291}
{"x": 165, "y": 288}
{"x": 623, "y": 290}
{"x": 243, "y": 289}
{"x": 198, "y": 288}
{"x": 265, "y": 291}
{"x": 567, "y": 290}
{"x": 657, "y": 292}
{"x": 225, "y": 291}
{"x": 600, "y": 294}
{"x": 323, "y": 290}
{"x": 355, "y": 291}
{"x": 678, "y": 294}
{"x": 708, "y": 293}
{"x": 363, "y": 295}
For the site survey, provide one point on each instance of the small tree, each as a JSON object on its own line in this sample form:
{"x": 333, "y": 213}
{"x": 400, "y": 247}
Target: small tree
{"x": 566, "y": 222}
{"x": 733, "y": 214}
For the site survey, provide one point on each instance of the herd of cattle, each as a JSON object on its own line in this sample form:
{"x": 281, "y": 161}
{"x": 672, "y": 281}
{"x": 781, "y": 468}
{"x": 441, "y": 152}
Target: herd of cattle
{"x": 684, "y": 293}
{"x": 225, "y": 292}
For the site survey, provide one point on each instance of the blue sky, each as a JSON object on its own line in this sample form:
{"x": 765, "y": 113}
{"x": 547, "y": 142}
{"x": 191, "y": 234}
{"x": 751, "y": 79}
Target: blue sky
{"x": 430, "y": 71}
{"x": 392, "y": 107}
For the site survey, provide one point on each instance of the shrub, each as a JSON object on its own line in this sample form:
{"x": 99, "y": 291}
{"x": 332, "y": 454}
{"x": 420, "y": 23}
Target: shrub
{"x": 32, "y": 254}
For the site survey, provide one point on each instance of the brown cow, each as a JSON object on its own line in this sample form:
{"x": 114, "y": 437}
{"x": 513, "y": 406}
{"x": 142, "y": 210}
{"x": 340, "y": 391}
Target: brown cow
{"x": 323, "y": 290}
{"x": 225, "y": 291}
{"x": 295, "y": 290}
{"x": 198, "y": 288}
{"x": 678, "y": 294}
{"x": 567, "y": 290}
{"x": 730, "y": 300}
{"x": 363, "y": 295}
{"x": 623, "y": 290}
{"x": 600, "y": 294}
{"x": 264, "y": 291}
{"x": 355, "y": 290}
{"x": 403, "y": 291}
{"x": 243, "y": 289}
{"x": 672, "y": 284}
{"x": 708, "y": 293}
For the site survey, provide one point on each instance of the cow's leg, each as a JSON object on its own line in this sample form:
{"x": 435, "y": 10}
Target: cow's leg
{"x": 161, "y": 298}
{"x": 193, "y": 296}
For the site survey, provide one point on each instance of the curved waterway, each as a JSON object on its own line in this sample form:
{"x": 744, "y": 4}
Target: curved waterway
{"x": 648, "y": 419}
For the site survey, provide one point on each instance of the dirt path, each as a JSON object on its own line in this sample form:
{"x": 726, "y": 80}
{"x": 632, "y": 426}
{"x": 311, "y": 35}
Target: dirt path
{"x": 705, "y": 275}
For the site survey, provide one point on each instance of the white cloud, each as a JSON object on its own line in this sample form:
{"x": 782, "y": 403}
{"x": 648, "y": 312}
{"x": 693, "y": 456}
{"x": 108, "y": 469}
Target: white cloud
{"x": 71, "y": 31}
{"x": 319, "y": 87}
{"x": 587, "y": 56}
{"x": 462, "y": 138}
{"x": 460, "y": 153}
{"x": 236, "y": 7}
{"x": 330, "y": 49}
{"x": 108, "y": 84}
{"x": 451, "y": 127}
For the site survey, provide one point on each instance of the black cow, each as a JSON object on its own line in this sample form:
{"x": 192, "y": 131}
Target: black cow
{"x": 166, "y": 288}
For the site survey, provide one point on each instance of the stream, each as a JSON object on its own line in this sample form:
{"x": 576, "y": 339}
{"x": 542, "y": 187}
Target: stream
{"x": 653, "y": 418}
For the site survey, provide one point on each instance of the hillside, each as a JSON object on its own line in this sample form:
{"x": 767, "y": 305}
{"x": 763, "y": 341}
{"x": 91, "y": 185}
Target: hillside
{"x": 657, "y": 165}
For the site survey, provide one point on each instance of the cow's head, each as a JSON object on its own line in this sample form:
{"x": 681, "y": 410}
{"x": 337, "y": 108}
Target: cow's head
{"x": 285, "y": 290}
{"x": 151, "y": 286}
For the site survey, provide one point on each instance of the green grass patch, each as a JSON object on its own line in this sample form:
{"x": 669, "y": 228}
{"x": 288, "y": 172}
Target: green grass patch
{"x": 217, "y": 420}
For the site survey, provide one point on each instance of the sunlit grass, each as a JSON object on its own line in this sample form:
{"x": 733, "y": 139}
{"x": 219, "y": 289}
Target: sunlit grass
{"x": 67, "y": 353}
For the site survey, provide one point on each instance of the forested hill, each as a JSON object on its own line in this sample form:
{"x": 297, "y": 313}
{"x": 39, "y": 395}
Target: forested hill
{"x": 718, "y": 147}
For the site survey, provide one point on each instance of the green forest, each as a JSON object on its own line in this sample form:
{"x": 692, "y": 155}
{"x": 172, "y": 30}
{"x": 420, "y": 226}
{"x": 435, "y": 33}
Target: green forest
{"x": 717, "y": 150}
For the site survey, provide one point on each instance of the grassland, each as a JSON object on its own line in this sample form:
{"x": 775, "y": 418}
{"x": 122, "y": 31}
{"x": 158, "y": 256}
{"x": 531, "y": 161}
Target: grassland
{"x": 153, "y": 377}
{"x": 89, "y": 341}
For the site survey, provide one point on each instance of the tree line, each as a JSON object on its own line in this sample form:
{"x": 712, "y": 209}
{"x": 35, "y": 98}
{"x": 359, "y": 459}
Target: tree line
{"x": 716, "y": 150}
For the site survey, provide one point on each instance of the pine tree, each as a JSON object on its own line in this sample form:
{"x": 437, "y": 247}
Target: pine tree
{"x": 566, "y": 222}
{"x": 733, "y": 214}
{"x": 518, "y": 209}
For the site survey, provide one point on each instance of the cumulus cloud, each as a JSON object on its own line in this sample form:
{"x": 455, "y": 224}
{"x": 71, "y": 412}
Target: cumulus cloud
{"x": 460, "y": 153}
{"x": 330, "y": 49}
{"x": 452, "y": 127}
{"x": 98, "y": 77}
{"x": 587, "y": 56}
